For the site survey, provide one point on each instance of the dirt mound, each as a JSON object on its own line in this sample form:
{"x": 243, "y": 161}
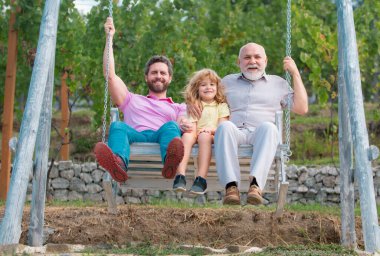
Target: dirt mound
{"x": 210, "y": 227}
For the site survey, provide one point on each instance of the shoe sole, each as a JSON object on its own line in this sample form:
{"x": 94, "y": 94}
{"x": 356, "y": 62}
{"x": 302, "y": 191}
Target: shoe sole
{"x": 174, "y": 155}
{"x": 179, "y": 189}
{"x": 231, "y": 201}
{"x": 106, "y": 159}
{"x": 197, "y": 193}
{"x": 255, "y": 200}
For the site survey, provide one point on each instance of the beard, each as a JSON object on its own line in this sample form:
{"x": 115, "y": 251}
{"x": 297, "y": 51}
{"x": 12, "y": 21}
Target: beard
{"x": 158, "y": 88}
{"x": 253, "y": 76}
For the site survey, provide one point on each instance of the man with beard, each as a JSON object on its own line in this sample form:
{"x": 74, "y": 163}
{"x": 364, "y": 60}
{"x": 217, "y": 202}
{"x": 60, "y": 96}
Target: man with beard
{"x": 151, "y": 118}
{"x": 253, "y": 97}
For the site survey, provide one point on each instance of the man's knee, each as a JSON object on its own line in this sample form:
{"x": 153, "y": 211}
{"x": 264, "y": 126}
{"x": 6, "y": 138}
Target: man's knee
{"x": 171, "y": 125}
{"x": 118, "y": 125}
{"x": 268, "y": 129}
{"x": 225, "y": 127}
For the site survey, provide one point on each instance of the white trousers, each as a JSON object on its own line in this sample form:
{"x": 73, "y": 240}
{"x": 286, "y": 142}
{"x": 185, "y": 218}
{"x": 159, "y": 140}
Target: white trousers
{"x": 228, "y": 137}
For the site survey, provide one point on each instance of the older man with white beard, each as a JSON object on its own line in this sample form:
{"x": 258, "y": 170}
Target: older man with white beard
{"x": 254, "y": 97}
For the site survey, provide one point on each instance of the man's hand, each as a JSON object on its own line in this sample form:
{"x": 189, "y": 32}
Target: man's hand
{"x": 290, "y": 66}
{"x": 185, "y": 125}
{"x": 194, "y": 110}
{"x": 109, "y": 27}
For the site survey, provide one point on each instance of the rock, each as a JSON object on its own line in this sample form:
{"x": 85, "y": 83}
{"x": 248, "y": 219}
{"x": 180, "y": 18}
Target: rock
{"x": 73, "y": 195}
{"x": 77, "y": 185}
{"x": 94, "y": 188}
{"x": 137, "y": 192}
{"x": 153, "y": 193}
{"x": 77, "y": 169}
{"x": 93, "y": 197}
{"x": 302, "y": 189}
{"x": 97, "y": 175}
{"x": 61, "y": 194}
{"x": 89, "y": 167}
{"x": 67, "y": 174}
{"x": 329, "y": 181}
{"x": 60, "y": 183}
{"x": 213, "y": 195}
{"x": 86, "y": 177}
{"x": 302, "y": 177}
{"x": 54, "y": 173}
{"x": 65, "y": 165}
{"x": 132, "y": 200}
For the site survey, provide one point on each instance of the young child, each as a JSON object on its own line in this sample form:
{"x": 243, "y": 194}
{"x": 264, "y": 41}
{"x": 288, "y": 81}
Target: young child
{"x": 204, "y": 89}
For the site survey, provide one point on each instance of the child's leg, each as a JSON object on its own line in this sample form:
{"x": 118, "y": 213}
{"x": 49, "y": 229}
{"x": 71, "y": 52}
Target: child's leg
{"x": 205, "y": 141}
{"x": 188, "y": 139}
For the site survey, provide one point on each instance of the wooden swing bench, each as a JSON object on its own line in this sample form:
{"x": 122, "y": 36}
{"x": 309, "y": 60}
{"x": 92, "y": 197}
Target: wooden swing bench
{"x": 144, "y": 170}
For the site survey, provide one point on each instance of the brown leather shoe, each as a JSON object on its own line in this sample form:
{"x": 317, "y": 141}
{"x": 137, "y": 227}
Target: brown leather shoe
{"x": 254, "y": 195}
{"x": 174, "y": 155}
{"x": 111, "y": 162}
{"x": 232, "y": 196}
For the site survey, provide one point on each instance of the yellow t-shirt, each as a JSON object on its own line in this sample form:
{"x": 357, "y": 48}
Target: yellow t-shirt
{"x": 211, "y": 114}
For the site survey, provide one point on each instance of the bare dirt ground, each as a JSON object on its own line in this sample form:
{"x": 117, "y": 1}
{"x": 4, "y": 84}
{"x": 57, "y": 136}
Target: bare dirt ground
{"x": 216, "y": 228}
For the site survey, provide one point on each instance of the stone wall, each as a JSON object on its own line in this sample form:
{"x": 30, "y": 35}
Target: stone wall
{"x": 313, "y": 184}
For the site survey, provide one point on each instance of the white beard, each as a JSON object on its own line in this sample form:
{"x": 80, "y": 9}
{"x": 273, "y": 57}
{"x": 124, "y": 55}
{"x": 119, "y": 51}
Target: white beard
{"x": 253, "y": 77}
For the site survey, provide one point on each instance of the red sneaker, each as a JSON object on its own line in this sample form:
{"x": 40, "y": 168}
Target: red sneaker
{"x": 174, "y": 155}
{"x": 110, "y": 162}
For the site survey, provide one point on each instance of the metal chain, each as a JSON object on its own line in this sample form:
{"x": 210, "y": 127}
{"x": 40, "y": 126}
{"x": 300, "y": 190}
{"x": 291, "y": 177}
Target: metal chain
{"x": 288, "y": 152}
{"x": 108, "y": 47}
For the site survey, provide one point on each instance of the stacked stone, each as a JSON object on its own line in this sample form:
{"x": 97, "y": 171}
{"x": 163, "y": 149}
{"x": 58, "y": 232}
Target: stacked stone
{"x": 68, "y": 181}
{"x": 313, "y": 184}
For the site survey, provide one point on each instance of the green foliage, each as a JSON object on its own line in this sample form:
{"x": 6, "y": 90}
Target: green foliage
{"x": 367, "y": 23}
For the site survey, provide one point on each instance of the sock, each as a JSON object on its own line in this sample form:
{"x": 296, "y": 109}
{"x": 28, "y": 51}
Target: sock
{"x": 254, "y": 182}
{"x": 233, "y": 183}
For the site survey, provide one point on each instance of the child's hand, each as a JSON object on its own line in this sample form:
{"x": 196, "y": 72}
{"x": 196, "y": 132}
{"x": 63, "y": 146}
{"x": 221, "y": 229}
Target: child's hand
{"x": 208, "y": 130}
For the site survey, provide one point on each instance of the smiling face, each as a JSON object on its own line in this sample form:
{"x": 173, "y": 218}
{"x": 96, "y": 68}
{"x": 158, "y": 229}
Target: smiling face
{"x": 158, "y": 77}
{"x": 252, "y": 61}
{"x": 207, "y": 90}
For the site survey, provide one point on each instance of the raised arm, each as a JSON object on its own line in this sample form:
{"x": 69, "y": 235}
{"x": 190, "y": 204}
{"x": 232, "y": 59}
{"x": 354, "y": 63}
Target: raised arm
{"x": 300, "y": 104}
{"x": 117, "y": 88}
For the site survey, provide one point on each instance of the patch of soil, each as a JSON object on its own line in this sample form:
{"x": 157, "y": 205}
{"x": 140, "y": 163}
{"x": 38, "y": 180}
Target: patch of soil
{"x": 217, "y": 228}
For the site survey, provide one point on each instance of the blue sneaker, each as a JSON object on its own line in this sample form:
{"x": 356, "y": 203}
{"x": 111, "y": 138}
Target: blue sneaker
{"x": 199, "y": 186}
{"x": 179, "y": 184}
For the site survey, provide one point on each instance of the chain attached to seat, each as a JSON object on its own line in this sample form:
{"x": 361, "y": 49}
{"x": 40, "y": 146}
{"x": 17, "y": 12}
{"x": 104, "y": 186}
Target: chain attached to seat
{"x": 108, "y": 47}
{"x": 288, "y": 152}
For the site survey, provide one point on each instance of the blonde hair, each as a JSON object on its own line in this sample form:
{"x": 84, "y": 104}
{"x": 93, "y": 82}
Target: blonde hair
{"x": 191, "y": 93}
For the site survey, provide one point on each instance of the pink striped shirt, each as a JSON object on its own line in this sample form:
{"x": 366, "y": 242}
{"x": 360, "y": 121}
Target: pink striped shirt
{"x": 148, "y": 112}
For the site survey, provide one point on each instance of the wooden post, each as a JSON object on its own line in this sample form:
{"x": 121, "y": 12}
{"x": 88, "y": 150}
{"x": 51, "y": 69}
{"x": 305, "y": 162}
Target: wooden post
{"x": 37, "y": 216}
{"x": 65, "y": 115}
{"x": 363, "y": 170}
{"x": 9, "y": 95}
{"x": 10, "y": 227}
{"x": 347, "y": 196}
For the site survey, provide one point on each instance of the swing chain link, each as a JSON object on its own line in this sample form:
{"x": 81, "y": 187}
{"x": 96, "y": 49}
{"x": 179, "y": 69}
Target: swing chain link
{"x": 108, "y": 47}
{"x": 287, "y": 152}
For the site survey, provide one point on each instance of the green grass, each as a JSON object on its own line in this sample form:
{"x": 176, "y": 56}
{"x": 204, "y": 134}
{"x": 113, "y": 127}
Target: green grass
{"x": 146, "y": 249}
{"x": 311, "y": 250}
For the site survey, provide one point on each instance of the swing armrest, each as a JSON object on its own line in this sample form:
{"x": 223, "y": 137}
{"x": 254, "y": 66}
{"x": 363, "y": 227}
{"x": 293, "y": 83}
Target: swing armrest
{"x": 115, "y": 115}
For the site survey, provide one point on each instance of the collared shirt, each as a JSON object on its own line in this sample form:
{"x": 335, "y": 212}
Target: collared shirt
{"x": 210, "y": 114}
{"x": 148, "y": 112}
{"x": 254, "y": 102}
